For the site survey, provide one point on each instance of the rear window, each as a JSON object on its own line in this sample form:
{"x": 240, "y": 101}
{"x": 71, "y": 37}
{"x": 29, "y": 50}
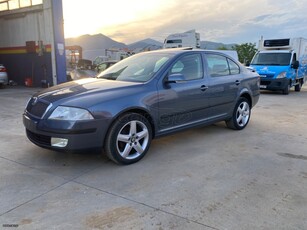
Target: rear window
{"x": 219, "y": 65}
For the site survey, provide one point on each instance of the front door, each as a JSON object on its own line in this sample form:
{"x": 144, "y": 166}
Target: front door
{"x": 183, "y": 102}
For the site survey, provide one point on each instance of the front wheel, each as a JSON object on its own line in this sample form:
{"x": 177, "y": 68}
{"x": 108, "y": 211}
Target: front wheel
{"x": 240, "y": 116}
{"x": 286, "y": 90}
{"x": 128, "y": 139}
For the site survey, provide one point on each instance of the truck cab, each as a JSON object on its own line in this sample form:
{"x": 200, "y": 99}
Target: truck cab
{"x": 277, "y": 63}
{"x": 187, "y": 39}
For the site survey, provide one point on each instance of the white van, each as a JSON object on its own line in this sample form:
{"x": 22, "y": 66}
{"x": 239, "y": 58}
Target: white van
{"x": 186, "y": 39}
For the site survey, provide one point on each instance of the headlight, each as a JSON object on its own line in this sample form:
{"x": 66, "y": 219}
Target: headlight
{"x": 70, "y": 114}
{"x": 281, "y": 75}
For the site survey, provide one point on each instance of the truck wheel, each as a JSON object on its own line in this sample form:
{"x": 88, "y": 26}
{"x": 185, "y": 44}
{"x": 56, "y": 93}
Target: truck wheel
{"x": 298, "y": 87}
{"x": 128, "y": 139}
{"x": 240, "y": 116}
{"x": 286, "y": 90}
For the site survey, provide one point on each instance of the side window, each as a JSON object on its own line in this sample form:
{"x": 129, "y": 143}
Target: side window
{"x": 234, "y": 68}
{"x": 178, "y": 67}
{"x": 217, "y": 65}
{"x": 190, "y": 66}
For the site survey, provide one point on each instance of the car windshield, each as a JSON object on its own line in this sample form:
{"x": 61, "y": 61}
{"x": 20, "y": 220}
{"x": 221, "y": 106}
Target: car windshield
{"x": 137, "y": 68}
{"x": 280, "y": 59}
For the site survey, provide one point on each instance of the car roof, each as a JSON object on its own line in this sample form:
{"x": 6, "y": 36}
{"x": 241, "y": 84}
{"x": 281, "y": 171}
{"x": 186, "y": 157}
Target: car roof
{"x": 109, "y": 61}
{"x": 190, "y": 49}
{"x": 185, "y": 49}
{"x": 172, "y": 50}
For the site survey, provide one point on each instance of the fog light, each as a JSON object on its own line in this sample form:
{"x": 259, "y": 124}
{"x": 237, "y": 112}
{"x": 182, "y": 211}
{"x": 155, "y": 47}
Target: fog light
{"x": 59, "y": 142}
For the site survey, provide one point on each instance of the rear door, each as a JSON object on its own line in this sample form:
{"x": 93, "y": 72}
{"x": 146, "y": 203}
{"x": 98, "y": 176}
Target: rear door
{"x": 224, "y": 83}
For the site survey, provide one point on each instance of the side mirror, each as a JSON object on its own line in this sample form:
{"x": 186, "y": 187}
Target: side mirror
{"x": 295, "y": 64}
{"x": 175, "y": 78}
{"x": 251, "y": 69}
{"x": 248, "y": 63}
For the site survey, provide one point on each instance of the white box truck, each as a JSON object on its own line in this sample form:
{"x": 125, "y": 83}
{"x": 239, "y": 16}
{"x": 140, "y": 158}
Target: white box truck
{"x": 281, "y": 63}
{"x": 187, "y": 39}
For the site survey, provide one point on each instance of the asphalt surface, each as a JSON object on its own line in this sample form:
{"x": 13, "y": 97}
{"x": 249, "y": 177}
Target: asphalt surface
{"x": 204, "y": 178}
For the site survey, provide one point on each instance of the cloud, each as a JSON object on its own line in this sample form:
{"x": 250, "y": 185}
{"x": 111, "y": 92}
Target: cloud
{"x": 232, "y": 21}
{"x": 261, "y": 18}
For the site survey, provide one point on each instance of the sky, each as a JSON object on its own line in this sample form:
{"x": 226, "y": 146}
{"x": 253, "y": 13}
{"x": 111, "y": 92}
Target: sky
{"x": 228, "y": 21}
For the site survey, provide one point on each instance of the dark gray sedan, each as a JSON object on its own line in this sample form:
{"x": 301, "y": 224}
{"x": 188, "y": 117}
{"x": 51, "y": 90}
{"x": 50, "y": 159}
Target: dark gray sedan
{"x": 140, "y": 98}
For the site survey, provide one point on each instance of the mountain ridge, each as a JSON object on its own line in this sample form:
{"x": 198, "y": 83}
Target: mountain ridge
{"x": 96, "y": 45}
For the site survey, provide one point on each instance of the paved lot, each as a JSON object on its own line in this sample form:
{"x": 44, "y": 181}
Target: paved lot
{"x": 205, "y": 178}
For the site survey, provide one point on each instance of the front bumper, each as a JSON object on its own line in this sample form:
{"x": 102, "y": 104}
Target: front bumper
{"x": 80, "y": 135}
{"x": 274, "y": 84}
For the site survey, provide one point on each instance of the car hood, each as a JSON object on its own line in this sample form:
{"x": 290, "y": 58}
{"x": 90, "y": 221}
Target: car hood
{"x": 82, "y": 87}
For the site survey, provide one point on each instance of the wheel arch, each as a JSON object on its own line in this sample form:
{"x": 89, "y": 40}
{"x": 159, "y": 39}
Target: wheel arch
{"x": 248, "y": 97}
{"x": 140, "y": 111}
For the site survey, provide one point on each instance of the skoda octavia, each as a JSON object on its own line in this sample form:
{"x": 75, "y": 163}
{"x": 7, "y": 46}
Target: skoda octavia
{"x": 140, "y": 98}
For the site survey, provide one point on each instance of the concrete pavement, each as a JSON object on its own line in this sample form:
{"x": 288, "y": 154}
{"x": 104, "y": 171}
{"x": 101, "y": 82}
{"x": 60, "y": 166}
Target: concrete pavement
{"x": 204, "y": 178}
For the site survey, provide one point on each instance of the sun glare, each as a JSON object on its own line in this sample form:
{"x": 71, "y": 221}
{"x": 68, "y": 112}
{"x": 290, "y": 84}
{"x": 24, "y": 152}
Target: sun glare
{"x": 96, "y": 16}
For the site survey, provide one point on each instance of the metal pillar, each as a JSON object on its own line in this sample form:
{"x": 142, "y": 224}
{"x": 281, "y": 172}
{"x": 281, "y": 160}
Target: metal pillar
{"x": 58, "y": 42}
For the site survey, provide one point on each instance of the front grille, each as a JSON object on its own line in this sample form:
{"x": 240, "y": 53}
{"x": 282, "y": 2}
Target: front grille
{"x": 37, "y": 107}
{"x": 265, "y": 82}
{"x": 40, "y": 139}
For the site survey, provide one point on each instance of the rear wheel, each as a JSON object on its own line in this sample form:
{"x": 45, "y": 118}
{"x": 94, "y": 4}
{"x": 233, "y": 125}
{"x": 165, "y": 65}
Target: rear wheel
{"x": 240, "y": 116}
{"x": 298, "y": 86}
{"x": 128, "y": 139}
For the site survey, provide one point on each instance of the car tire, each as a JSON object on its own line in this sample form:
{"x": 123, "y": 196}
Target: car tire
{"x": 240, "y": 116}
{"x": 286, "y": 90}
{"x": 128, "y": 139}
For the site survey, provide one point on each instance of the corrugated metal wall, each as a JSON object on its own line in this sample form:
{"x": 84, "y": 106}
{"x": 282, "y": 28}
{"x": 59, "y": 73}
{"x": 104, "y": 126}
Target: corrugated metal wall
{"x": 18, "y": 26}
{"x": 30, "y": 24}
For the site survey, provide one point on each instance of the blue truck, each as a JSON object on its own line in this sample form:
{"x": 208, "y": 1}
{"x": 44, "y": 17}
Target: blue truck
{"x": 281, "y": 64}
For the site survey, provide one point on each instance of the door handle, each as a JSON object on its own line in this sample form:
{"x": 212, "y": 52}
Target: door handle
{"x": 237, "y": 82}
{"x": 203, "y": 88}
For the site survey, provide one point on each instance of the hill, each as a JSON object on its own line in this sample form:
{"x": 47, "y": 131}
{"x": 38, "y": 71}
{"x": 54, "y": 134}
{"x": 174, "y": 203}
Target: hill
{"x": 215, "y": 45}
{"x": 146, "y": 44}
{"x": 96, "y": 45}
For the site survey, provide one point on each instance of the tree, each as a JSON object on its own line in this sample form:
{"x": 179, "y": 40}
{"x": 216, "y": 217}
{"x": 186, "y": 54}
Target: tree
{"x": 246, "y": 52}
{"x": 222, "y": 48}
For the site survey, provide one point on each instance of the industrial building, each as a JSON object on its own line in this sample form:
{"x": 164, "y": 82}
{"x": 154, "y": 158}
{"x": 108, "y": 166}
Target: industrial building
{"x": 32, "y": 45}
